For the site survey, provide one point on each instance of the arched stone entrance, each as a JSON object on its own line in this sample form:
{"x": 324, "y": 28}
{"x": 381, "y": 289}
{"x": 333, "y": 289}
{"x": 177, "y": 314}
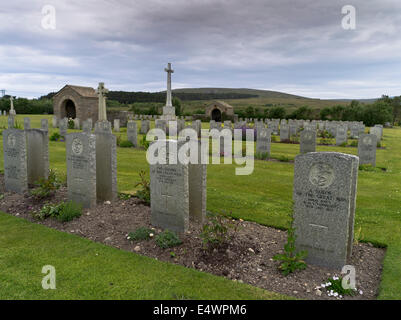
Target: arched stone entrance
{"x": 69, "y": 109}
{"x": 216, "y": 115}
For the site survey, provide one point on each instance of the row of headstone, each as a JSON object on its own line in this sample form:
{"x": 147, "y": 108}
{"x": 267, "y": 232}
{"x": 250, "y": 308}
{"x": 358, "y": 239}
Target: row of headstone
{"x": 26, "y": 155}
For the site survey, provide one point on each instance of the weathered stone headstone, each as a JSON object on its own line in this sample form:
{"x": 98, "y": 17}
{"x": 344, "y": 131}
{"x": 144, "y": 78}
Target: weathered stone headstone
{"x": 15, "y": 161}
{"x": 87, "y": 126}
{"x": 324, "y": 206}
{"x": 27, "y": 123}
{"x": 263, "y": 141}
{"x": 63, "y": 126}
{"x": 11, "y": 122}
{"x": 284, "y": 132}
{"x": 145, "y": 126}
{"x": 132, "y": 133}
{"x": 178, "y": 192}
{"x": 162, "y": 125}
{"x": 116, "y": 125}
{"x": 77, "y": 125}
{"x": 169, "y": 187}
{"x": 367, "y": 149}
{"x": 54, "y": 122}
{"x": 307, "y": 141}
{"x": 44, "y": 125}
{"x": 37, "y": 141}
{"x": 81, "y": 168}
{"x": 106, "y": 162}
{"x": 341, "y": 135}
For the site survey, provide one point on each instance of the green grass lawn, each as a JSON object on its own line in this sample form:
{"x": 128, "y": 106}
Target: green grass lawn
{"x": 89, "y": 270}
{"x": 265, "y": 196}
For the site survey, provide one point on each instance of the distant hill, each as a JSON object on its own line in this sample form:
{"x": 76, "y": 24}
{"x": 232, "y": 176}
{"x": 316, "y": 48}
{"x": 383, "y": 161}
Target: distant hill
{"x": 244, "y": 91}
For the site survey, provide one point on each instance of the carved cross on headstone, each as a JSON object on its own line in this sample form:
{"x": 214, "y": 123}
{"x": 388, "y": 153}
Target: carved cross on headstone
{"x": 167, "y": 199}
{"x": 101, "y": 91}
{"x": 169, "y": 72}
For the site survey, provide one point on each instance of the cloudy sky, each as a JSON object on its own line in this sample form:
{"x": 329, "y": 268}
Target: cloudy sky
{"x": 298, "y": 47}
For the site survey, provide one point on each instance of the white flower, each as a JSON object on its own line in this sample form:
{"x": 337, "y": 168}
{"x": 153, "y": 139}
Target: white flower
{"x": 335, "y": 278}
{"x": 329, "y": 283}
{"x": 360, "y": 292}
{"x": 335, "y": 294}
{"x": 128, "y": 238}
{"x": 323, "y": 285}
{"x": 151, "y": 235}
{"x": 341, "y": 297}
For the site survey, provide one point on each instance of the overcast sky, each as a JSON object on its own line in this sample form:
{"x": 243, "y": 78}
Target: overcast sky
{"x": 298, "y": 47}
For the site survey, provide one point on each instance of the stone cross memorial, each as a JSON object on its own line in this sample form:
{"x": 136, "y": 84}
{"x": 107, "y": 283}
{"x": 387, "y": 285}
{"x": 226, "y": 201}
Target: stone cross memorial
{"x": 81, "y": 168}
{"x": 12, "y": 110}
{"x": 168, "y": 109}
{"x": 324, "y": 206}
{"x": 101, "y": 91}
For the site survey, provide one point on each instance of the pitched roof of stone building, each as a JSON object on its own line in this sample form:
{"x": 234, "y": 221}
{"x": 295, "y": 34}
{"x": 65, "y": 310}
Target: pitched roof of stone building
{"x": 82, "y": 91}
{"x": 224, "y": 104}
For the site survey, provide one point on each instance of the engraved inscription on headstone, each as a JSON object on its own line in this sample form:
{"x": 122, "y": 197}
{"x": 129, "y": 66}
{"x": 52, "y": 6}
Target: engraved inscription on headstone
{"x": 324, "y": 206}
{"x": 81, "y": 168}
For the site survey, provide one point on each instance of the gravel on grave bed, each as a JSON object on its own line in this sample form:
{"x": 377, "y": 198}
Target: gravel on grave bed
{"x": 247, "y": 258}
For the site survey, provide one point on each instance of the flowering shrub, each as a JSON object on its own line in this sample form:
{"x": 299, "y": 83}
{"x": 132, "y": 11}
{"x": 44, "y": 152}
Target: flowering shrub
{"x": 334, "y": 288}
{"x": 71, "y": 124}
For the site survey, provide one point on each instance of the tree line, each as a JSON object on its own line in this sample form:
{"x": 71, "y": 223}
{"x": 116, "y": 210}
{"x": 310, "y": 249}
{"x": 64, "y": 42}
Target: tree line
{"x": 383, "y": 110}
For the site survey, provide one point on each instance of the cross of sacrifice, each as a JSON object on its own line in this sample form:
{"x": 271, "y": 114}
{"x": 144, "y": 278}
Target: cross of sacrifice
{"x": 101, "y": 91}
{"x": 169, "y": 72}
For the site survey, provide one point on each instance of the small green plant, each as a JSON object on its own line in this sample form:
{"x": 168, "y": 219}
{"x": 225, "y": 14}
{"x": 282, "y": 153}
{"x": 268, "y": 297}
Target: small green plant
{"x": 291, "y": 260}
{"x": 46, "y": 187}
{"x": 215, "y": 232}
{"x": 274, "y": 138}
{"x": 64, "y": 211}
{"x": 334, "y": 288}
{"x": 47, "y": 211}
{"x": 358, "y": 235}
{"x": 354, "y": 143}
{"x": 1, "y": 196}
{"x": 124, "y": 196}
{"x": 70, "y": 210}
{"x": 55, "y": 137}
{"x": 262, "y": 155}
{"x": 139, "y": 234}
{"x": 344, "y": 144}
{"x": 126, "y": 144}
{"x": 326, "y": 141}
{"x": 172, "y": 254}
{"x": 144, "y": 143}
{"x": 71, "y": 124}
{"x": 144, "y": 192}
{"x": 167, "y": 239}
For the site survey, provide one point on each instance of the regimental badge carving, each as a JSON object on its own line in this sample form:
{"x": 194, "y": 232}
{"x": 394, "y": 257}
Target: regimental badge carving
{"x": 77, "y": 146}
{"x": 308, "y": 136}
{"x": 367, "y": 140}
{"x": 321, "y": 175}
{"x": 11, "y": 141}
